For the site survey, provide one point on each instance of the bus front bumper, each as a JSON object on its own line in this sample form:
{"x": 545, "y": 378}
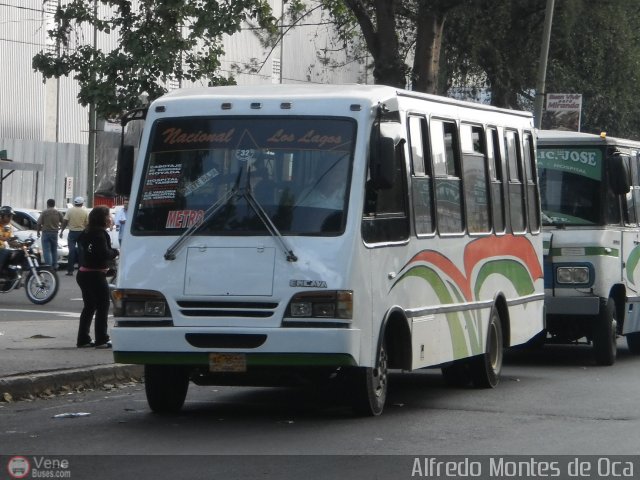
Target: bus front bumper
{"x": 571, "y": 305}
{"x": 280, "y": 347}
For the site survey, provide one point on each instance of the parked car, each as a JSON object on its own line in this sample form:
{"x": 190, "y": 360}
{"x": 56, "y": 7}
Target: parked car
{"x": 25, "y": 225}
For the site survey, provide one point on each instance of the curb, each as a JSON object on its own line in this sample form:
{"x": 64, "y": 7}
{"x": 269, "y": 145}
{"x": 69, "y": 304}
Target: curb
{"x": 27, "y": 386}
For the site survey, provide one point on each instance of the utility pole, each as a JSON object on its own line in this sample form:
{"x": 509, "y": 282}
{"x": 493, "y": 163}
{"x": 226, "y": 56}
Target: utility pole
{"x": 91, "y": 147}
{"x": 281, "y": 36}
{"x": 542, "y": 67}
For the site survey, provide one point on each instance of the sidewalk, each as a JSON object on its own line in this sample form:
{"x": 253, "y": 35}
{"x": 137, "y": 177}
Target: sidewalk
{"x": 40, "y": 357}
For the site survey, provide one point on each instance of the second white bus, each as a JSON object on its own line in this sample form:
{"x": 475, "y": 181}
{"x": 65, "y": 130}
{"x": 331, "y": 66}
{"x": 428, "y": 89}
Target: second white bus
{"x": 590, "y": 191}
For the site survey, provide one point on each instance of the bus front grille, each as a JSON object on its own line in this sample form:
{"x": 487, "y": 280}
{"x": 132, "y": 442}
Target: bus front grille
{"x": 192, "y": 308}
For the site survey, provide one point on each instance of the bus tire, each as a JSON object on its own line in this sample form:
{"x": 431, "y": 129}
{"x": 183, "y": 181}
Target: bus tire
{"x": 166, "y": 387}
{"x": 633, "y": 342}
{"x": 604, "y": 335}
{"x": 369, "y": 386}
{"x": 486, "y": 368}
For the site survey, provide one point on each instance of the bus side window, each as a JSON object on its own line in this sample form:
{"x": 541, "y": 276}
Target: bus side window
{"x": 476, "y": 178}
{"x": 612, "y": 206}
{"x": 421, "y": 177}
{"x": 533, "y": 202}
{"x": 497, "y": 180}
{"x": 635, "y": 184}
{"x": 385, "y": 217}
{"x": 446, "y": 163}
{"x": 517, "y": 210}
{"x": 629, "y": 210}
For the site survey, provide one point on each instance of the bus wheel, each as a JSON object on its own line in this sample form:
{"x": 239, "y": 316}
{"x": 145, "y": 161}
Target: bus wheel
{"x": 369, "y": 386}
{"x": 633, "y": 342}
{"x": 486, "y": 368}
{"x": 166, "y": 387}
{"x": 604, "y": 335}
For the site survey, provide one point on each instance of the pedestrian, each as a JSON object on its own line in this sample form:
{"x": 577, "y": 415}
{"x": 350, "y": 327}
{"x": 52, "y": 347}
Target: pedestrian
{"x": 76, "y": 220}
{"x": 95, "y": 254}
{"x": 48, "y": 225}
{"x": 7, "y": 239}
{"x": 121, "y": 219}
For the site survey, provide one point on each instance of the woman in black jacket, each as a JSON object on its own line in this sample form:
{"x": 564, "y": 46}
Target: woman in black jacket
{"x": 95, "y": 254}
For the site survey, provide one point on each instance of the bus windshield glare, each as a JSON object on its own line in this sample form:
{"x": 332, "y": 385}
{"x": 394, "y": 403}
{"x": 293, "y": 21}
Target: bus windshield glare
{"x": 297, "y": 169}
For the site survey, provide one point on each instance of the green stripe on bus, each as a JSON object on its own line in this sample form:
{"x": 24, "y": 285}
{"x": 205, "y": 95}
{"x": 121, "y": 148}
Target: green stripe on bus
{"x": 458, "y": 342}
{"x": 513, "y": 271}
{"x": 253, "y": 359}
{"x": 632, "y": 262}
{"x": 473, "y": 321}
{"x": 588, "y": 251}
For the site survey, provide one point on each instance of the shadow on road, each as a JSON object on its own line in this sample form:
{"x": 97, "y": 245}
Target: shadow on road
{"x": 562, "y": 355}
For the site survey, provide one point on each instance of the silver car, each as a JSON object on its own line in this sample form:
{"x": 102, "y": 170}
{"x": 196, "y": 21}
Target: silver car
{"x": 25, "y": 225}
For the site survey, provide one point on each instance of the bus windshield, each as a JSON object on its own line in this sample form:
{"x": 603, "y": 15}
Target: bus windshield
{"x": 297, "y": 169}
{"x": 570, "y": 185}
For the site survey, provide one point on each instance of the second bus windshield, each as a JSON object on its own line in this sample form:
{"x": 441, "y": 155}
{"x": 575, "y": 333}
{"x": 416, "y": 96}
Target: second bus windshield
{"x": 570, "y": 184}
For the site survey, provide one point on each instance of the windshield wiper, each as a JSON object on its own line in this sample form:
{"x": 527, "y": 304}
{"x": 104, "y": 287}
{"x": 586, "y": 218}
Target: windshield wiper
{"x": 170, "y": 254}
{"x": 546, "y": 219}
{"x": 246, "y": 193}
{"x": 273, "y": 230}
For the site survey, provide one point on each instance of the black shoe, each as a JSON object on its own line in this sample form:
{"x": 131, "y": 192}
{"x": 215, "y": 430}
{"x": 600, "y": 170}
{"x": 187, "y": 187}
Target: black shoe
{"x": 104, "y": 345}
{"x": 87, "y": 345}
{"x": 69, "y": 274}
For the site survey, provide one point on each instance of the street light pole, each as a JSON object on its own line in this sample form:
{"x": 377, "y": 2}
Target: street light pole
{"x": 542, "y": 67}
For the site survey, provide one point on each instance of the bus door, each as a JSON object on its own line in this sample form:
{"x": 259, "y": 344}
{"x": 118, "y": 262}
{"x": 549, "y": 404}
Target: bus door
{"x": 630, "y": 232}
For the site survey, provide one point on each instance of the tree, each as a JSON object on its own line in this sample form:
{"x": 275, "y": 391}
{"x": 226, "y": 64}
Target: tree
{"x": 595, "y": 51}
{"x": 495, "y": 45}
{"x": 397, "y": 33}
{"x": 160, "y": 40}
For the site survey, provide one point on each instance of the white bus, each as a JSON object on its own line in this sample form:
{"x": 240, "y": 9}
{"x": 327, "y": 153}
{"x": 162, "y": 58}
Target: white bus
{"x": 590, "y": 194}
{"x": 298, "y": 231}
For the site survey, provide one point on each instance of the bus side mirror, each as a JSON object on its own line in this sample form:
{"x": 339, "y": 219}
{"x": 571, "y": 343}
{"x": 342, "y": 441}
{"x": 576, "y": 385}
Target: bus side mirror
{"x": 382, "y": 164}
{"x": 618, "y": 171}
{"x": 124, "y": 173}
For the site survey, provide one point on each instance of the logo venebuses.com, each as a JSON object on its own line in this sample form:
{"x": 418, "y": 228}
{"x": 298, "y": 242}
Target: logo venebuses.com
{"x": 39, "y": 467}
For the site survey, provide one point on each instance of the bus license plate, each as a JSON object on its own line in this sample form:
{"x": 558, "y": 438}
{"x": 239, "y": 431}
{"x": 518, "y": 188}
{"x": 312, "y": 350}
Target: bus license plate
{"x": 227, "y": 362}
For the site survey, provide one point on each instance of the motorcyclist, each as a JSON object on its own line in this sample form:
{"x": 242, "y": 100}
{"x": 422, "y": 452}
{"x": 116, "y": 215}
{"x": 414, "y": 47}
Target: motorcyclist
{"x": 7, "y": 239}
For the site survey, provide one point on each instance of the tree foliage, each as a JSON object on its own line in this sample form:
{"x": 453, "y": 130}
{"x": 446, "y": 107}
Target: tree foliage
{"x": 427, "y": 45}
{"x": 159, "y": 41}
{"x": 403, "y": 37}
{"x": 595, "y": 51}
{"x": 495, "y": 46}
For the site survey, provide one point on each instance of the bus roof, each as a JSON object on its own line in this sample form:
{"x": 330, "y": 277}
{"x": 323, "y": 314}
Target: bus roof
{"x": 371, "y": 94}
{"x": 555, "y": 137}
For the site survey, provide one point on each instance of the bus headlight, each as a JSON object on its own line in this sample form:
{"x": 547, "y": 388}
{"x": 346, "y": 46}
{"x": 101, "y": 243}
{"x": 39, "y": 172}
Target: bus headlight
{"x": 138, "y": 303}
{"x": 572, "y": 275}
{"x": 330, "y": 304}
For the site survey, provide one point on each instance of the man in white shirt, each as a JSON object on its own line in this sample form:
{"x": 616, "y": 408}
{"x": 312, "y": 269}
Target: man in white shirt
{"x": 76, "y": 219}
{"x": 121, "y": 219}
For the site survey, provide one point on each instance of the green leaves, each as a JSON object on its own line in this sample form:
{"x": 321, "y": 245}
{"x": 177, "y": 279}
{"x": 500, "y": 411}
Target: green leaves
{"x": 158, "y": 41}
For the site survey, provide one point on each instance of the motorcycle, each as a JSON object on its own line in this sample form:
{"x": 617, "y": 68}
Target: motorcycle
{"x": 23, "y": 267}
